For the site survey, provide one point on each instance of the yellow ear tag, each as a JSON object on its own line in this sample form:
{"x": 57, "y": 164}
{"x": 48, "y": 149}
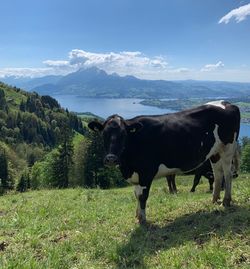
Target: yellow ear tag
{"x": 133, "y": 130}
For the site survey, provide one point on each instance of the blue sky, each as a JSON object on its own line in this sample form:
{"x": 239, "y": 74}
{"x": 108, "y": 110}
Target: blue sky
{"x": 158, "y": 39}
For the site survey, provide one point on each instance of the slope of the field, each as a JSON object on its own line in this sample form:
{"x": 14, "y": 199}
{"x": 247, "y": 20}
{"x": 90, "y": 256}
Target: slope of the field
{"x": 93, "y": 228}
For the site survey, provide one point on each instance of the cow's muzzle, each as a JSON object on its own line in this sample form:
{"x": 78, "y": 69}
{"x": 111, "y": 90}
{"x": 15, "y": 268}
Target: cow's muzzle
{"x": 110, "y": 160}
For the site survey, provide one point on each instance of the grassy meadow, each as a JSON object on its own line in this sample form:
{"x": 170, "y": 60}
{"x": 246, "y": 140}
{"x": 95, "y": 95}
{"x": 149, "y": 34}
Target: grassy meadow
{"x": 93, "y": 228}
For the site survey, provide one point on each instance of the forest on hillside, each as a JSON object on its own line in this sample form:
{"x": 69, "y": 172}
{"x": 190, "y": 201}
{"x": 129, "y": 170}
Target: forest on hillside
{"x": 43, "y": 145}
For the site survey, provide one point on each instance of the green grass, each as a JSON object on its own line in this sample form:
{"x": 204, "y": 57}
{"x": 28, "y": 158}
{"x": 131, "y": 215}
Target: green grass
{"x": 85, "y": 228}
{"x": 13, "y": 97}
{"x": 77, "y": 139}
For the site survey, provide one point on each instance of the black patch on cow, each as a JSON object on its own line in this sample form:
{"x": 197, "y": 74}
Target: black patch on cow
{"x": 215, "y": 158}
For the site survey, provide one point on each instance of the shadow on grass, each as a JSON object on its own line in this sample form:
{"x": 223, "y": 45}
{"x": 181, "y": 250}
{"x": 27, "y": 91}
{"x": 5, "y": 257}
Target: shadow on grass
{"x": 197, "y": 227}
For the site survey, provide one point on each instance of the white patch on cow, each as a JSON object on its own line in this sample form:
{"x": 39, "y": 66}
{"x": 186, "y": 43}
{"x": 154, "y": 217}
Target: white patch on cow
{"x": 118, "y": 120}
{"x": 215, "y": 148}
{"x": 139, "y": 190}
{"x": 217, "y": 103}
{"x": 163, "y": 170}
{"x": 140, "y": 213}
{"x": 134, "y": 179}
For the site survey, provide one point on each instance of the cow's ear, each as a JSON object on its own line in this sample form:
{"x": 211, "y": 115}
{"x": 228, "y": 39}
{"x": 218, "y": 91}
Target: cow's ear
{"x": 134, "y": 127}
{"x": 95, "y": 126}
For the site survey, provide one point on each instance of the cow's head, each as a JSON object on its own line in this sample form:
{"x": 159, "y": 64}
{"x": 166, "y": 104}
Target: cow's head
{"x": 115, "y": 131}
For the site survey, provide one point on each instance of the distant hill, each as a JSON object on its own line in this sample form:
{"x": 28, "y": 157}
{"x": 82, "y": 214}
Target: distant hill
{"x": 29, "y": 83}
{"x": 94, "y": 82}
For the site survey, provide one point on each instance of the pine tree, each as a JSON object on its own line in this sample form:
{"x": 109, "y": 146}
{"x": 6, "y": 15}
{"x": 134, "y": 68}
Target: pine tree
{"x": 4, "y": 182}
{"x": 22, "y": 184}
{"x": 3, "y": 104}
{"x": 93, "y": 159}
{"x": 62, "y": 162}
{"x": 22, "y": 106}
{"x": 245, "y": 158}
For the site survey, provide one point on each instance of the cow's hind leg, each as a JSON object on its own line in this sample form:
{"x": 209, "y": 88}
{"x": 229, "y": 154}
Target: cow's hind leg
{"x": 227, "y": 158}
{"x": 218, "y": 174}
{"x": 174, "y": 185}
{"x": 197, "y": 178}
{"x": 171, "y": 183}
{"x": 211, "y": 182}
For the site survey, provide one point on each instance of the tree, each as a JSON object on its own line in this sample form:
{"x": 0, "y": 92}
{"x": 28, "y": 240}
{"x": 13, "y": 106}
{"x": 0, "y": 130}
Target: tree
{"x": 77, "y": 171}
{"x": 6, "y": 180}
{"x": 62, "y": 162}
{"x": 36, "y": 175}
{"x": 24, "y": 182}
{"x": 22, "y": 106}
{"x": 93, "y": 159}
{"x": 245, "y": 158}
{"x": 4, "y": 184}
{"x": 3, "y": 104}
{"x": 244, "y": 141}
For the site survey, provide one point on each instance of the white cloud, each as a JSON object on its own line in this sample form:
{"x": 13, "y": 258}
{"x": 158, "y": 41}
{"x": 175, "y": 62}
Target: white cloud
{"x": 25, "y": 72}
{"x": 180, "y": 70}
{"x": 239, "y": 14}
{"x": 130, "y": 63}
{"x": 212, "y": 67}
{"x": 52, "y": 63}
{"x": 111, "y": 61}
{"x": 123, "y": 63}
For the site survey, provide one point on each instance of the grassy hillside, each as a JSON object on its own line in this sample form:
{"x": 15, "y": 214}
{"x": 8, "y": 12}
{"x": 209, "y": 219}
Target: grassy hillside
{"x": 86, "y": 228}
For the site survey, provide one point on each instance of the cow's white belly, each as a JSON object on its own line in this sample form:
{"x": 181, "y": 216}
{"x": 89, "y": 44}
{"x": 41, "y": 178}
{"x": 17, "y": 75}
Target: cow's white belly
{"x": 134, "y": 179}
{"x": 163, "y": 170}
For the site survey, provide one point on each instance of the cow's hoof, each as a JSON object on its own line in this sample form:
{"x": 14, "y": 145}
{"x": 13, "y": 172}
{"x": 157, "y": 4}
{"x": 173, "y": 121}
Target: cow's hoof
{"x": 226, "y": 202}
{"x": 141, "y": 220}
{"x": 192, "y": 190}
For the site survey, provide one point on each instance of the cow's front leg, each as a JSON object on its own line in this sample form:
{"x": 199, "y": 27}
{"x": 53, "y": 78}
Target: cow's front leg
{"x": 141, "y": 194}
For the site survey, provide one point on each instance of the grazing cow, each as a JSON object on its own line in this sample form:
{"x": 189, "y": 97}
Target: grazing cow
{"x": 147, "y": 147}
{"x": 206, "y": 171}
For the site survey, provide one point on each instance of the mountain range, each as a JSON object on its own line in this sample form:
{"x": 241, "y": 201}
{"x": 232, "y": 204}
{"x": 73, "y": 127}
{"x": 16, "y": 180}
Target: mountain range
{"x": 96, "y": 83}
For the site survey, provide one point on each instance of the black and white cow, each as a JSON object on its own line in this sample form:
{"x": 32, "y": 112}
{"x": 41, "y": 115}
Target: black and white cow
{"x": 206, "y": 171}
{"x": 147, "y": 147}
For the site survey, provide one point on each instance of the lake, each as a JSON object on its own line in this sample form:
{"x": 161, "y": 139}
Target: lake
{"x": 125, "y": 107}
{"x": 104, "y": 107}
